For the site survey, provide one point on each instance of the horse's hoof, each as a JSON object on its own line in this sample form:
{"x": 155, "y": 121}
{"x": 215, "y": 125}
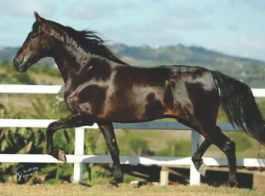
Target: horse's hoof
{"x": 59, "y": 154}
{"x": 197, "y": 163}
{"x": 233, "y": 182}
{"x": 117, "y": 180}
{"x": 118, "y": 176}
{"x": 114, "y": 183}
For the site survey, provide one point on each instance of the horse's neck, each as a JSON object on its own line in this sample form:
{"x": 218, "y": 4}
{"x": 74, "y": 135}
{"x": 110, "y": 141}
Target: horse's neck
{"x": 66, "y": 64}
{"x": 72, "y": 59}
{"x": 74, "y": 66}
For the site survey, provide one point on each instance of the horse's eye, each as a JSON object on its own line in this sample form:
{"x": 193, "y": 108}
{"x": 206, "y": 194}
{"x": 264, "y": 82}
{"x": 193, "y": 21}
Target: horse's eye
{"x": 33, "y": 35}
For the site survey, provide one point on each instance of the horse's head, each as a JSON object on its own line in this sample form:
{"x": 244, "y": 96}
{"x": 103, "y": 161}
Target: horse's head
{"x": 48, "y": 38}
{"x": 37, "y": 45}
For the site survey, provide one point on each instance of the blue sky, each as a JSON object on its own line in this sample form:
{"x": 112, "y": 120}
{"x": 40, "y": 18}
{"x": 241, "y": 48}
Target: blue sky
{"x": 235, "y": 27}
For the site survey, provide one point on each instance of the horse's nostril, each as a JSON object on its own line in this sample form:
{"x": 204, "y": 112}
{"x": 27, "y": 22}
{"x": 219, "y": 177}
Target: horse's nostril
{"x": 18, "y": 65}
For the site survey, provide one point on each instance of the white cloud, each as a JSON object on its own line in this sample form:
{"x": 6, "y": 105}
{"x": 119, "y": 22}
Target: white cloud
{"x": 25, "y": 8}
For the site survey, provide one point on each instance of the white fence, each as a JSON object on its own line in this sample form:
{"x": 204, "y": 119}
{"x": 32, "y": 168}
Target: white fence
{"x": 79, "y": 158}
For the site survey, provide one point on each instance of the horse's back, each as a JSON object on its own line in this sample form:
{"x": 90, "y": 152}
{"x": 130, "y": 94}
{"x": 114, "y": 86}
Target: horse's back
{"x": 192, "y": 75}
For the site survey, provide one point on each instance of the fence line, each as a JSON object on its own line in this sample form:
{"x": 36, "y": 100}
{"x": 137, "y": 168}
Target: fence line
{"x": 79, "y": 158}
{"x": 29, "y": 89}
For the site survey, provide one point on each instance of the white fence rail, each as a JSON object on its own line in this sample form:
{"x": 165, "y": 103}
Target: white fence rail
{"x": 79, "y": 158}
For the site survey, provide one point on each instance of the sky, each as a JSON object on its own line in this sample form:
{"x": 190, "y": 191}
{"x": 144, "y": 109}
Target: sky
{"x": 235, "y": 27}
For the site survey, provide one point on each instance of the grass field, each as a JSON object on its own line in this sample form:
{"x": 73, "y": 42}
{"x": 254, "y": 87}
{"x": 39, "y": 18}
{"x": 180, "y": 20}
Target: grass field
{"x": 123, "y": 190}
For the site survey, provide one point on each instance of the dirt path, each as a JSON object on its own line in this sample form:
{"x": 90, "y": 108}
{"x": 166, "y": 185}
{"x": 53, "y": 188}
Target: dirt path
{"x": 123, "y": 190}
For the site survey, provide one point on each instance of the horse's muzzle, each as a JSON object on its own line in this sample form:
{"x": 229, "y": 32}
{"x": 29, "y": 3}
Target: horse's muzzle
{"x": 19, "y": 65}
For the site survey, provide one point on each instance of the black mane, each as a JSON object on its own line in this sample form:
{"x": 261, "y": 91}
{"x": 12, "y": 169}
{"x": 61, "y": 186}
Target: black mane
{"x": 89, "y": 41}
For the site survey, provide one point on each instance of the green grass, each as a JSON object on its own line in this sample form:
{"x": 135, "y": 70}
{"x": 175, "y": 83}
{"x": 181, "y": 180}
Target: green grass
{"x": 38, "y": 74}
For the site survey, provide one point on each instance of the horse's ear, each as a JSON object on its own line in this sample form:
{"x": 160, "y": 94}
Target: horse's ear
{"x": 37, "y": 17}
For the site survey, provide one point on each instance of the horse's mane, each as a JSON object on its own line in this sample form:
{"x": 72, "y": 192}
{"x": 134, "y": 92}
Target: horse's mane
{"x": 89, "y": 41}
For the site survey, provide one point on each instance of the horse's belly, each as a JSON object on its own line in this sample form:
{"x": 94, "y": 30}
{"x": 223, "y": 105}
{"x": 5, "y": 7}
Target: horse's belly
{"x": 139, "y": 104}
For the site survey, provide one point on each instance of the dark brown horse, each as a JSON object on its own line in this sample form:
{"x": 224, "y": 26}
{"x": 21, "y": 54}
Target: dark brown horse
{"x": 100, "y": 88}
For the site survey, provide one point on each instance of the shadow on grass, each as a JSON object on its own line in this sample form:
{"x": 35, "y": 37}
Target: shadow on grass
{"x": 213, "y": 177}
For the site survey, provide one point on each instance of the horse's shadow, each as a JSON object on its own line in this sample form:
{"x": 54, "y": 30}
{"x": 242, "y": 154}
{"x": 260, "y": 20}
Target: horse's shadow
{"x": 213, "y": 177}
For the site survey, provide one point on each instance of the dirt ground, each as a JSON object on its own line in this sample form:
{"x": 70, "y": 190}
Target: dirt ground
{"x": 123, "y": 190}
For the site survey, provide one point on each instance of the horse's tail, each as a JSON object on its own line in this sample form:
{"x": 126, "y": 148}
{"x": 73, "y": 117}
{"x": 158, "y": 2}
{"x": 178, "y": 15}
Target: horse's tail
{"x": 239, "y": 104}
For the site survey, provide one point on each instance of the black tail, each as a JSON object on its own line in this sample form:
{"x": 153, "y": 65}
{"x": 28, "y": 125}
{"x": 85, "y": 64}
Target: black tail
{"x": 239, "y": 104}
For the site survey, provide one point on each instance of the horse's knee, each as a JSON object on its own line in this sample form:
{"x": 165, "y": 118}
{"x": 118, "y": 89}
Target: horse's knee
{"x": 52, "y": 127}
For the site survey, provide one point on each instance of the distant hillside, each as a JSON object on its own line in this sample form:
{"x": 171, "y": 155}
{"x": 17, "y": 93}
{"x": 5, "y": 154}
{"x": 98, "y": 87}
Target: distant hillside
{"x": 7, "y": 53}
{"x": 249, "y": 70}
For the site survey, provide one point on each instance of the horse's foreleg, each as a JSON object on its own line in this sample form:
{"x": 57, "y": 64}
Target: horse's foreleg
{"x": 109, "y": 135}
{"x": 70, "y": 122}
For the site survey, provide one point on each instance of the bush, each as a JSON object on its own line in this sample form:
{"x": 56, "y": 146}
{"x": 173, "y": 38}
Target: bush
{"x": 138, "y": 146}
{"x": 176, "y": 148}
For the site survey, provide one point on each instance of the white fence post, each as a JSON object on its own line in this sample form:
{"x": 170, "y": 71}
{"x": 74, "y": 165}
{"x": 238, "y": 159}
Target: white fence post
{"x": 79, "y": 151}
{"x": 195, "y": 177}
{"x": 164, "y": 174}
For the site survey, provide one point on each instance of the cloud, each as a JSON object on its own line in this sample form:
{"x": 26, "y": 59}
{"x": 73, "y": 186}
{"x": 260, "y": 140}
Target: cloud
{"x": 93, "y": 10}
{"x": 130, "y": 10}
{"x": 136, "y": 17}
{"x": 25, "y": 8}
{"x": 256, "y": 5}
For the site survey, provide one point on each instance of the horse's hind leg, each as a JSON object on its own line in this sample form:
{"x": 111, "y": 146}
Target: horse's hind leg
{"x": 197, "y": 156}
{"x": 196, "y": 126}
{"x": 109, "y": 135}
{"x": 228, "y": 147}
{"x": 213, "y": 135}
{"x": 217, "y": 137}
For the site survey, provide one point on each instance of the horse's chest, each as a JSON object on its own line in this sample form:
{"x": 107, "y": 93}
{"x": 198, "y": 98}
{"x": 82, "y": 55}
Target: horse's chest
{"x": 87, "y": 99}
